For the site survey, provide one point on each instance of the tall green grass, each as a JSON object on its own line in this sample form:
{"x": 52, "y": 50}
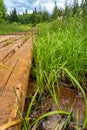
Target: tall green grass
{"x": 66, "y": 47}
{"x": 61, "y": 52}
{"x": 13, "y": 28}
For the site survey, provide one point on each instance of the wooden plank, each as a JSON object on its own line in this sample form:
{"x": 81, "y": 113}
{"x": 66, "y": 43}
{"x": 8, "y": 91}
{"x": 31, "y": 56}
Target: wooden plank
{"x": 17, "y": 80}
{"x": 8, "y": 41}
{"x": 5, "y": 38}
{"x": 9, "y": 65}
{"x": 10, "y": 49}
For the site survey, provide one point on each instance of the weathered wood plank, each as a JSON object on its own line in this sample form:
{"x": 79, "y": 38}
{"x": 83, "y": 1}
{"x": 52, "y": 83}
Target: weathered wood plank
{"x": 15, "y": 79}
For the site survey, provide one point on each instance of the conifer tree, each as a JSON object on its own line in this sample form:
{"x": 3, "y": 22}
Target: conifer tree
{"x": 75, "y": 7}
{"x": 14, "y": 16}
{"x": 45, "y": 15}
{"x": 84, "y": 7}
{"x": 68, "y": 10}
{"x": 2, "y": 10}
{"x": 55, "y": 11}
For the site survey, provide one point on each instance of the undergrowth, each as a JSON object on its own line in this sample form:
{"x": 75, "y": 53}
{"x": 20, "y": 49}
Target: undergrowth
{"x": 13, "y": 28}
{"x": 61, "y": 47}
{"x": 60, "y": 53}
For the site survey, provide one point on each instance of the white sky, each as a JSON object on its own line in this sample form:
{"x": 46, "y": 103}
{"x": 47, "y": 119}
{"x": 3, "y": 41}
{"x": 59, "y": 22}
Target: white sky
{"x": 22, "y": 5}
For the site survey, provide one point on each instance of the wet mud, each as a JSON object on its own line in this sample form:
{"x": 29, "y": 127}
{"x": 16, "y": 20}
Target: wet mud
{"x": 68, "y": 100}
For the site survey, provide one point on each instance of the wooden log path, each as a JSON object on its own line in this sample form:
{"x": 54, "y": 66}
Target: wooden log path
{"x": 16, "y": 52}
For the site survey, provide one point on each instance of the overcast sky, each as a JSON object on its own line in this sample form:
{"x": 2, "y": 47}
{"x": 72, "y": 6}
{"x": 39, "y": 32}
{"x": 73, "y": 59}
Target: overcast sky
{"x": 22, "y": 5}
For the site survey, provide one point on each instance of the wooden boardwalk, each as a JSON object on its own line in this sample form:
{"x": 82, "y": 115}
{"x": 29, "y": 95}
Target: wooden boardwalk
{"x": 15, "y": 63}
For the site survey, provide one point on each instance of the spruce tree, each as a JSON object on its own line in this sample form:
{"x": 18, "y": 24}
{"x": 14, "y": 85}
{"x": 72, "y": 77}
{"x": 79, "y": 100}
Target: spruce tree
{"x": 68, "y": 10}
{"x": 14, "y": 16}
{"x": 2, "y": 10}
{"x": 84, "y": 7}
{"x": 55, "y": 11}
{"x": 75, "y": 7}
